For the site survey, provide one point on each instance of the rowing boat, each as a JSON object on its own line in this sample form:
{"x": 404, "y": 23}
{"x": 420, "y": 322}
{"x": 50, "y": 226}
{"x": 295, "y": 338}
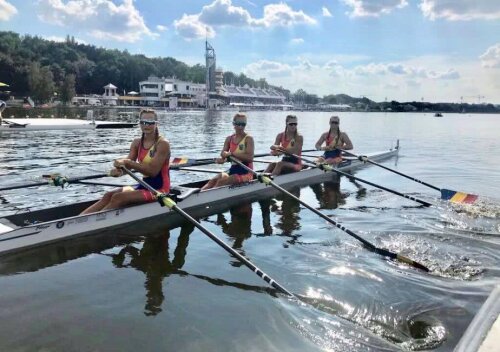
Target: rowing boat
{"x": 29, "y": 124}
{"x": 31, "y": 229}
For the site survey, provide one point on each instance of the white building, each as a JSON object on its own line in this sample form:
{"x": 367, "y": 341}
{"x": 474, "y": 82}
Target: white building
{"x": 171, "y": 92}
{"x": 110, "y": 97}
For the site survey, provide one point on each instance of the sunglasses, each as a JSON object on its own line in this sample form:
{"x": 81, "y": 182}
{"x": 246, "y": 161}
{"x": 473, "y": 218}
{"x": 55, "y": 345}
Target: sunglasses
{"x": 147, "y": 122}
{"x": 241, "y": 124}
{"x": 292, "y": 124}
{"x": 334, "y": 122}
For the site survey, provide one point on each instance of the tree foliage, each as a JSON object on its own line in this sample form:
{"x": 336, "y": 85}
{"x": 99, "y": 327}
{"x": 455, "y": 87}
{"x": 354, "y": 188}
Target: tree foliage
{"x": 41, "y": 82}
{"x": 67, "y": 91}
{"x": 92, "y": 67}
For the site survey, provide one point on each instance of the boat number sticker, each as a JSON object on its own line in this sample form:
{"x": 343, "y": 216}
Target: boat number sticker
{"x": 83, "y": 219}
{"x": 100, "y": 217}
{"x": 60, "y": 224}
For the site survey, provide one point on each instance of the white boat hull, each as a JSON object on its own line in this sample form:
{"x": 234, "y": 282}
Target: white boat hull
{"x": 15, "y": 237}
{"x": 13, "y": 125}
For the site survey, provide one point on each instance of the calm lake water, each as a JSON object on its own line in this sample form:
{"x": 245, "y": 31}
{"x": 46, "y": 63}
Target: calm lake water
{"x": 174, "y": 289}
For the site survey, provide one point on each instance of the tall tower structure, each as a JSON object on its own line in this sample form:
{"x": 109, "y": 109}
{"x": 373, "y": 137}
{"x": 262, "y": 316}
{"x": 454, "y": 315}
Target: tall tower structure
{"x": 219, "y": 80}
{"x": 210, "y": 67}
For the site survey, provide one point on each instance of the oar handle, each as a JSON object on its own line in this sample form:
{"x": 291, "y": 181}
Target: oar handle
{"x": 164, "y": 200}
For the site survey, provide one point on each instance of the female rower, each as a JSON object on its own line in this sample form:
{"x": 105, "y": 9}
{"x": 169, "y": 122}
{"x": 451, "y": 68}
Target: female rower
{"x": 291, "y": 141}
{"x": 335, "y": 141}
{"x": 148, "y": 155}
{"x": 241, "y": 146}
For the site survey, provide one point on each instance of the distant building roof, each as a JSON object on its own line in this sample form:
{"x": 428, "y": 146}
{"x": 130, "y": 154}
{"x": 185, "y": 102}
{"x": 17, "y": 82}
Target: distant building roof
{"x": 110, "y": 86}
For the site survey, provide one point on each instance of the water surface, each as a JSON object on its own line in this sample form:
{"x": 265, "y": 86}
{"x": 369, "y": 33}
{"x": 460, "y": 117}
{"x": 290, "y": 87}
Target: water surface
{"x": 175, "y": 289}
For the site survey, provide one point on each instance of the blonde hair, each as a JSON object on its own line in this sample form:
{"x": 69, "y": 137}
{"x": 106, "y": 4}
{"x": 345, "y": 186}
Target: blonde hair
{"x": 148, "y": 111}
{"x": 240, "y": 115}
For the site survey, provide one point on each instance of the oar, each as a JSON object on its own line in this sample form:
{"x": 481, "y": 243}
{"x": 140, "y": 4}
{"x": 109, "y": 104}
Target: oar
{"x": 164, "y": 200}
{"x": 185, "y": 161}
{"x": 446, "y": 194}
{"x": 194, "y": 169}
{"x": 15, "y": 124}
{"x": 326, "y": 167}
{"x": 384, "y": 252}
{"x": 55, "y": 180}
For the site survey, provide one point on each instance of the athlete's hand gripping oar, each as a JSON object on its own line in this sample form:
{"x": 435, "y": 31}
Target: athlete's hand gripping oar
{"x": 326, "y": 167}
{"x": 266, "y": 180}
{"x": 55, "y": 180}
{"x": 446, "y": 194}
{"x": 164, "y": 200}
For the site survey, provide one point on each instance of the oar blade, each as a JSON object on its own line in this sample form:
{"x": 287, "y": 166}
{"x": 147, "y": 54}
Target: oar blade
{"x": 180, "y": 161}
{"x": 458, "y": 197}
{"x": 184, "y": 161}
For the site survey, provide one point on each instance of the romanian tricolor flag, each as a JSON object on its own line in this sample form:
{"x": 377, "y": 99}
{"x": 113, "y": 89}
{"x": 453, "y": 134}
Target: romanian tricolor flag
{"x": 179, "y": 161}
{"x": 458, "y": 197}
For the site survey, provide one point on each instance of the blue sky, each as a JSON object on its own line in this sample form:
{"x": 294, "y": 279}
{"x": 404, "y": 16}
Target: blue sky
{"x": 438, "y": 50}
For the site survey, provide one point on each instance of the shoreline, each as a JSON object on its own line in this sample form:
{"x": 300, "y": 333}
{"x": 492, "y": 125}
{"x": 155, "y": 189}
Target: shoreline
{"x": 58, "y": 111}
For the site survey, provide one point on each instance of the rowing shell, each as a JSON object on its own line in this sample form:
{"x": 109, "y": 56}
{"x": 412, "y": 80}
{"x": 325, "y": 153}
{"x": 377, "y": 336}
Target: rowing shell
{"x": 26, "y": 230}
{"x": 59, "y": 124}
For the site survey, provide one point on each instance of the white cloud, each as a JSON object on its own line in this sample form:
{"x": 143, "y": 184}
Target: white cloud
{"x": 100, "y": 18}
{"x": 190, "y": 27}
{"x": 263, "y": 68}
{"x": 326, "y": 12}
{"x": 221, "y": 13}
{"x": 7, "y": 10}
{"x": 450, "y": 74}
{"x": 306, "y": 65}
{"x": 461, "y": 10}
{"x": 296, "y": 41}
{"x": 428, "y": 77}
{"x": 161, "y": 28}
{"x": 373, "y": 8}
{"x": 404, "y": 70}
{"x": 491, "y": 58}
{"x": 282, "y": 15}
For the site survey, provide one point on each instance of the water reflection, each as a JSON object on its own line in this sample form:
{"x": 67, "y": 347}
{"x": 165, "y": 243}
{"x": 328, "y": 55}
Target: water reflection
{"x": 287, "y": 209}
{"x": 153, "y": 260}
{"x": 328, "y": 195}
{"x": 289, "y": 219}
{"x": 239, "y": 227}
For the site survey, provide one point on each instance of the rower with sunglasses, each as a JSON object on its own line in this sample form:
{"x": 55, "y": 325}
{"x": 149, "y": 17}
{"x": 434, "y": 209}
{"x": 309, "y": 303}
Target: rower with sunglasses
{"x": 241, "y": 146}
{"x": 335, "y": 141}
{"x": 291, "y": 141}
{"x": 148, "y": 155}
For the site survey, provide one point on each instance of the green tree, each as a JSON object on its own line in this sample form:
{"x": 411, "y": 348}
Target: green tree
{"x": 299, "y": 96}
{"x": 41, "y": 82}
{"x": 67, "y": 91}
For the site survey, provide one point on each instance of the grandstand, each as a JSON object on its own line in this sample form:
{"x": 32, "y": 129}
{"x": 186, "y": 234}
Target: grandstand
{"x": 247, "y": 95}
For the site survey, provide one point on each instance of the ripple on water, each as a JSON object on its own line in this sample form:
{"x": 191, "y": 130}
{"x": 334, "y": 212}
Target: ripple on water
{"x": 441, "y": 255}
{"x": 343, "y": 326}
